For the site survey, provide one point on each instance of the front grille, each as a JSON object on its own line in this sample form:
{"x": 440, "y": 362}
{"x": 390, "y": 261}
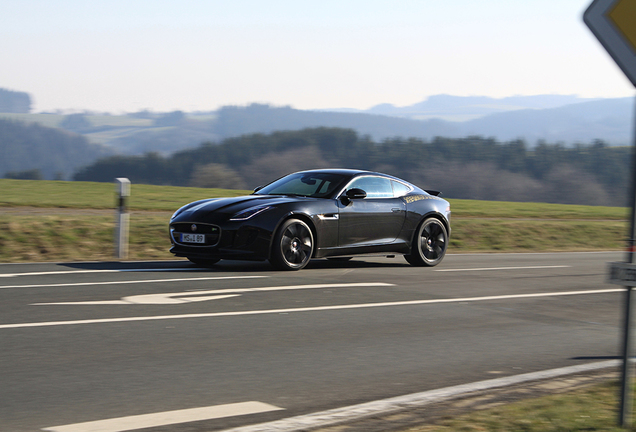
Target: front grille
{"x": 212, "y": 233}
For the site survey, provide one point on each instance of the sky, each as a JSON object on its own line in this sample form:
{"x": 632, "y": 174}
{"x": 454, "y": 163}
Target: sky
{"x": 198, "y": 55}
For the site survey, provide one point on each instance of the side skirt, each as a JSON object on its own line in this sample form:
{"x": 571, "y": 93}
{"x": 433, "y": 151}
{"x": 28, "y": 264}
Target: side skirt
{"x": 398, "y": 247}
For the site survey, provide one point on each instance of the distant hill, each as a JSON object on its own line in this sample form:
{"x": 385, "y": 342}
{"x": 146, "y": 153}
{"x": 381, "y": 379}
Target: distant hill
{"x": 609, "y": 120}
{"x": 258, "y": 118}
{"x": 55, "y": 153}
{"x": 550, "y": 118}
{"x": 463, "y": 108}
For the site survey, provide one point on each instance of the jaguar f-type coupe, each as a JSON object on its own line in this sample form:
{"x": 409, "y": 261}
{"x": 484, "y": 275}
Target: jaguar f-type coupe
{"x": 329, "y": 213}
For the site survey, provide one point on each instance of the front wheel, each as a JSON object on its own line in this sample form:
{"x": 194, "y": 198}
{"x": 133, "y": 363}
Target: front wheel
{"x": 293, "y": 245}
{"x": 429, "y": 244}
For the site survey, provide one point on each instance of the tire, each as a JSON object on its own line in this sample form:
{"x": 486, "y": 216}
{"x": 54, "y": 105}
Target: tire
{"x": 204, "y": 262}
{"x": 429, "y": 244}
{"x": 293, "y": 245}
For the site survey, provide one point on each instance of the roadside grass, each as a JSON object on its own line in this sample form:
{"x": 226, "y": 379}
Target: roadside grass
{"x": 536, "y": 235}
{"x": 66, "y": 194}
{"x": 477, "y": 226}
{"x": 588, "y": 409}
{"x": 521, "y": 210}
{"x": 86, "y": 236}
{"x": 80, "y": 237}
{"x": 92, "y": 195}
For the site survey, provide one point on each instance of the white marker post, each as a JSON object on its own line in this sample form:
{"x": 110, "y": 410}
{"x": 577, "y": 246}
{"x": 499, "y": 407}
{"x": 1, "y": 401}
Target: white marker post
{"x": 122, "y": 218}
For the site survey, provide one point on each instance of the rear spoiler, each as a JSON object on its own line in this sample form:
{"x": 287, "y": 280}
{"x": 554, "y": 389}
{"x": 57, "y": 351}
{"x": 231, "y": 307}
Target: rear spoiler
{"x": 433, "y": 192}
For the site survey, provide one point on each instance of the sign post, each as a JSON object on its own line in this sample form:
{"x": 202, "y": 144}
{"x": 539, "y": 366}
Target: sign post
{"x": 122, "y": 218}
{"x": 612, "y": 22}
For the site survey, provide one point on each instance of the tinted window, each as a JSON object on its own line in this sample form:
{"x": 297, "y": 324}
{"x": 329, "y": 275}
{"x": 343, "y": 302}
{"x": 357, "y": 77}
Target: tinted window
{"x": 400, "y": 189}
{"x": 375, "y": 187}
{"x": 319, "y": 185}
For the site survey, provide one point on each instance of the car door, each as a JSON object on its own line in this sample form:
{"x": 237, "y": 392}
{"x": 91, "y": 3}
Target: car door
{"x": 376, "y": 219}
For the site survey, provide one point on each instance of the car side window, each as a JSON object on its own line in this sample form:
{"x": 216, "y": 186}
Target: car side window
{"x": 400, "y": 189}
{"x": 375, "y": 187}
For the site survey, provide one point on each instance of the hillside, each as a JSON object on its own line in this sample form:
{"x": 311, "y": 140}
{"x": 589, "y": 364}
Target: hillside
{"x": 54, "y": 152}
{"x": 550, "y": 118}
{"x": 470, "y": 168}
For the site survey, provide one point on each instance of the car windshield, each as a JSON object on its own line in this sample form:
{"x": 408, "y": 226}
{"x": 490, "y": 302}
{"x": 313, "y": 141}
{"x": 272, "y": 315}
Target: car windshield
{"x": 308, "y": 184}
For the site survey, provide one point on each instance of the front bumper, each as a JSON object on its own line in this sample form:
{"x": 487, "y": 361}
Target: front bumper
{"x": 222, "y": 242}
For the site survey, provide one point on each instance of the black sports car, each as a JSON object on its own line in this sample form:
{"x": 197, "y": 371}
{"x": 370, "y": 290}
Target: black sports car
{"x": 331, "y": 213}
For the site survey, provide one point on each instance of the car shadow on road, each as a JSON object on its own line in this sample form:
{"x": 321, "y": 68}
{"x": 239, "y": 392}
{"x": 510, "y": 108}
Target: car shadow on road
{"x": 230, "y": 265}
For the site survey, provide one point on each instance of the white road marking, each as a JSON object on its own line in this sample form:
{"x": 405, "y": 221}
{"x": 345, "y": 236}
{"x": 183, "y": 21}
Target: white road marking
{"x": 148, "y": 299}
{"x": 169, "y": 298}
{"x": 502, "y": 268}
{"x": 126, "y": 282}
{"x": 308, "y": 309}
{"x": 60, "y": 272}
{"x": 416, "y": 400}
{"x": 167, "y": 418}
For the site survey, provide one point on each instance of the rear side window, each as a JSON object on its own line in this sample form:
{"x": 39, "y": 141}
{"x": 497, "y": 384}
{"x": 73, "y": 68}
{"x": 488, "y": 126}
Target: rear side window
{"x": 399, "y": 189}
{"x": 375, "y": 187}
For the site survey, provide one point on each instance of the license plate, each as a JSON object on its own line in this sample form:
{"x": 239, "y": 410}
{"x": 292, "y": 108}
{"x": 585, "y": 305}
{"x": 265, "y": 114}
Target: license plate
{"x": 192, "y": 238}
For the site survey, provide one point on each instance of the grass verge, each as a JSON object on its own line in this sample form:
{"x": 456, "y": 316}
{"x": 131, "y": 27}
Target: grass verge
{"x": 80, "y": 237}
{"x": 511, "y": 235}
{"x": 591, "y": 409}
{"x": 89, "y": 236}
{"x": 477, "y": 226}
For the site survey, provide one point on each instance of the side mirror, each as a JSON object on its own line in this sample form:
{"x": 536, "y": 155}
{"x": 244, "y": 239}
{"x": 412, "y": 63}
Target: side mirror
{"x": 257, "y": 188}
{"x": 356, "y": 193}
{"x": 352, "y": 194}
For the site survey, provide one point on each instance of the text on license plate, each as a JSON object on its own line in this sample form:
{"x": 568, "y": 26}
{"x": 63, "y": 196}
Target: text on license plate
{"x": 192, "y": 238}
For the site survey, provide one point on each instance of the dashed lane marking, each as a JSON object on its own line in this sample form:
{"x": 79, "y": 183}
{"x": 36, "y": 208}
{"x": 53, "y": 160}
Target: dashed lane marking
{"x": 502, "y": 268}
{"x": 143, "y": 421}
{"x": 130, "y": 282}
{"x": 61, "y": 272}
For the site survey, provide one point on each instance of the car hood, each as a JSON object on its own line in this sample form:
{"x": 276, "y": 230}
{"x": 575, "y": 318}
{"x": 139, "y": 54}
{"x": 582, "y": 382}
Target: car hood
{"x": 230, "y": 206}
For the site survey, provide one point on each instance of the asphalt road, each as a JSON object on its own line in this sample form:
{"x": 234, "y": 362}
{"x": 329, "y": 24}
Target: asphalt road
{"x": 85, "y": 342}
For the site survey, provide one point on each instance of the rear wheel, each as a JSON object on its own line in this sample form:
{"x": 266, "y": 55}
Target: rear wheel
{"x": 429, "y": 244}
{"x": 204, "y": 262}
{"x": 293, "y": 245}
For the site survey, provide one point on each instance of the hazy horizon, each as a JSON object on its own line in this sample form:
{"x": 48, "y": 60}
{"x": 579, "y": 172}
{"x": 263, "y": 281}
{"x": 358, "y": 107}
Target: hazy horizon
{"x": 197, "y": 55}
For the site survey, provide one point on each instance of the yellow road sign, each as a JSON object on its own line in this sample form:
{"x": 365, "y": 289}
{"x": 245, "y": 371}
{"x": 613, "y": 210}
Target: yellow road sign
{"x": 613, "y": 22}
{"x": 624, "y": 17}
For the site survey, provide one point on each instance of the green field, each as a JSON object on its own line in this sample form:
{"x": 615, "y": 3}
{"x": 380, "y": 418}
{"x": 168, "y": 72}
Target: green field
{"x": 56, "y": 220}
{"x": 89, "y": 195}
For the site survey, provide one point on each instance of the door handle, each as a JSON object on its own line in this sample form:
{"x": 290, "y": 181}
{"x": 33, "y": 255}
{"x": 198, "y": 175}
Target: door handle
{"x": 395, "y": 210}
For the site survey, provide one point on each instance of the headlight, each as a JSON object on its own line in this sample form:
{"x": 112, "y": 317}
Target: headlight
{"x": 249, "y": 212}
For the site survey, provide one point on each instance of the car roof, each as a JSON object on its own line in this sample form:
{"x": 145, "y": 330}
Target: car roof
{"x": 344, "y": 171}
{"x": 354, "y": 173}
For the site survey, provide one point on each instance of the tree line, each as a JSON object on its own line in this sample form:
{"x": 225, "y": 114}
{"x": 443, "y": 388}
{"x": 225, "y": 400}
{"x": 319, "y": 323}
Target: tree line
{"x": 14, "y": 102}
{"x": 471, "y": 167}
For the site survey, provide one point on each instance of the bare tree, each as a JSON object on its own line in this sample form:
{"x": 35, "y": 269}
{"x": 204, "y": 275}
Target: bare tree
{"x": 216, "y": 176}
{"x": 275, "y": 165}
